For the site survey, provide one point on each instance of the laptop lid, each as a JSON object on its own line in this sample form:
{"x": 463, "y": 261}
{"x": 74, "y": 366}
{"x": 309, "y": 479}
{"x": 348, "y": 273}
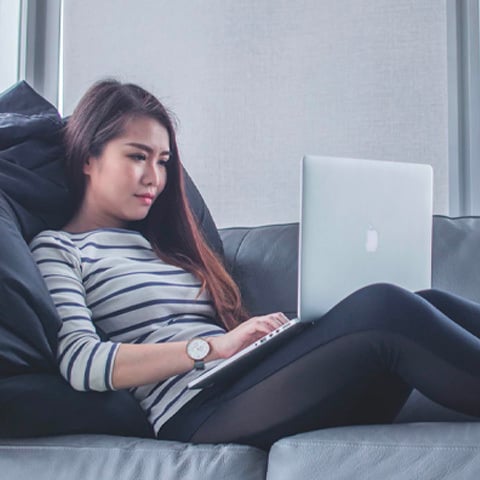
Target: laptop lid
{"x": 362, "y": 222}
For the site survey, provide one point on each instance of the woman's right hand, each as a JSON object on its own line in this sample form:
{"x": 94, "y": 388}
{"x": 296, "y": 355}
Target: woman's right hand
{"x": 224, "y": 346}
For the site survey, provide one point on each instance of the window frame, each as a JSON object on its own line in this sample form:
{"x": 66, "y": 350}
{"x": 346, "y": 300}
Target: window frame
{"x": 40, "y": 46}
{"x": 463, "y": 52}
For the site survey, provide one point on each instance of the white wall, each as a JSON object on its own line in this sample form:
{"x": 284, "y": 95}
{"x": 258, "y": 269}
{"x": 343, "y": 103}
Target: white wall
{"x": 258, "y": 83}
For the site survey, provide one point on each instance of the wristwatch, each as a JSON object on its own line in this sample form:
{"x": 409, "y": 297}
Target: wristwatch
{"x": 197, "y": 349}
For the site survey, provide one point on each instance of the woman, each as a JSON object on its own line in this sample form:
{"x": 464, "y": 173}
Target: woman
{"x": 145, "y": 303}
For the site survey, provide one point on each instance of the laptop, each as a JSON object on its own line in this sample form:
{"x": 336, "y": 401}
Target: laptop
{"x": 361, "y": 222}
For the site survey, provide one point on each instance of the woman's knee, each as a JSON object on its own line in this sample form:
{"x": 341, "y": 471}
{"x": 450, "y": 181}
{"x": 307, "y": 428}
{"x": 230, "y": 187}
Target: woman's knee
{"x": 431, "y": 294}
{"x": 379, "y": 306}
{"x": 381, "y": 300}
{"x": 381, "y": 291}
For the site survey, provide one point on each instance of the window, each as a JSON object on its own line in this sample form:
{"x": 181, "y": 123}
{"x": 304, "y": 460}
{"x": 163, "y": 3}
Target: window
{"x": 10, "y": 14}
{"x": 463, "y": 36}
{"x": 30, "y": 45}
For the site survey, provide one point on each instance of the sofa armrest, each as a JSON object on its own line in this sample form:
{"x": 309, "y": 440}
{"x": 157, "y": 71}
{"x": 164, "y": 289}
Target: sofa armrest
{"x": 263, "y": 262}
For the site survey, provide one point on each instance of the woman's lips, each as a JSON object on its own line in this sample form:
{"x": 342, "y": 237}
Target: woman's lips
{"x": 145, "y": 199}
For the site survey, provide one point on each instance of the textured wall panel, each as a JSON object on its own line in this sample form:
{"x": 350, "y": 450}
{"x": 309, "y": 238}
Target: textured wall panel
{"x": 256, "y": 84}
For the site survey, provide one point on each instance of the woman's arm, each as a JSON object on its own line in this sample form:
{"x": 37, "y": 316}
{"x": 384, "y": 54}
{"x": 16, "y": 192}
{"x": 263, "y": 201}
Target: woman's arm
{"x": 137, "y": 365}
{"x": 87, "y": 362}
{"x": 142, "y": 364}
{"x": 84, "y": 360}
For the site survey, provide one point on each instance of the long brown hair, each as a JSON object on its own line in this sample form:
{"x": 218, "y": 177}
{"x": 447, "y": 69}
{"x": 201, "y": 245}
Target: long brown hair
{"x": 170, "y": 226}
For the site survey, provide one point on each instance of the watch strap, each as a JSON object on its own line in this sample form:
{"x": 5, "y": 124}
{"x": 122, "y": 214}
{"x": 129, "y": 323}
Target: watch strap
{"x": 199, "y": 365}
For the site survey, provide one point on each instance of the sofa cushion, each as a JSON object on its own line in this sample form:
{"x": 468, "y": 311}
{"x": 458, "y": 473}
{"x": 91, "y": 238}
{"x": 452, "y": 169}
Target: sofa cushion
{"x": 118, "y": 458}
{"x": 456, "y": 255}
{"x": 263, "y": 262}
{"x": 417, "y": 450}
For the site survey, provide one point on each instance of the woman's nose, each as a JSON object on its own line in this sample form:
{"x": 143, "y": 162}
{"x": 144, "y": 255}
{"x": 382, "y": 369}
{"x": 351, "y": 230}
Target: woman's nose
{"x": 152, "y": 175}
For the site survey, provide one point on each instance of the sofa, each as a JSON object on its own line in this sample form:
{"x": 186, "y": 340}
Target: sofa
{"x": 50, "y": 431}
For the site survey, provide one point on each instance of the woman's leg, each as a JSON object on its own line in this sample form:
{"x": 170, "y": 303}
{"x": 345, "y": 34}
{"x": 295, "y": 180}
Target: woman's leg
{"x": 370, "y": 346}
{"x": 461, "y": 310}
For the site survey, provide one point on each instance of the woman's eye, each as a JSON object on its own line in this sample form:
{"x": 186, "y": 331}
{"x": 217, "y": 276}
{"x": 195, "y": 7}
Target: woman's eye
{"x": 163, "y": 162}
{"x": 137, "y": 156}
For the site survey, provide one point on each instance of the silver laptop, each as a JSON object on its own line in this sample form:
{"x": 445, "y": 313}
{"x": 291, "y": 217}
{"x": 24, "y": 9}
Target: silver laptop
{"x": 361, "y": 222}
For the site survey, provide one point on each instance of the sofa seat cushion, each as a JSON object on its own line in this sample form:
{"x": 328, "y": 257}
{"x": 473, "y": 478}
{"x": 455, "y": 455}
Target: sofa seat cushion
{"x": 415, "y": 450}
{"x": 106, "y": 457}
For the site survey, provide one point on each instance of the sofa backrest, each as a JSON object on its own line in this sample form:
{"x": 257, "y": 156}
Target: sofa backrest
{"x": 263, "y": 261}
{"x": 456, "y": 255}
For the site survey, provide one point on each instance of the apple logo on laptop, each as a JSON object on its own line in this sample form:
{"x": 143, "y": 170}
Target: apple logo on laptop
{"x": 371, "y": 243}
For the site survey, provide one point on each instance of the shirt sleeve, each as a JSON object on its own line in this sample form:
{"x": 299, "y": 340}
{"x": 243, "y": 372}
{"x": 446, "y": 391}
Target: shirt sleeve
{"x": 85, "y": 361}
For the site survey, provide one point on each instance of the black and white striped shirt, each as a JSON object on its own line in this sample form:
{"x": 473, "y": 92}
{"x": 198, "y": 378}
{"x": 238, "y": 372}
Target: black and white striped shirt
{"x": 110, "y": 280}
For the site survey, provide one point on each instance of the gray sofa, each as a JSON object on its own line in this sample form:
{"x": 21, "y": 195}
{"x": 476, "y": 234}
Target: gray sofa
{"x": 427, "y": 441}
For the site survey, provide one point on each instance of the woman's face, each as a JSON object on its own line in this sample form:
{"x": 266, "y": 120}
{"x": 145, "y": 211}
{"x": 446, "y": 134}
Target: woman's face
{"x": 123, "y": 182}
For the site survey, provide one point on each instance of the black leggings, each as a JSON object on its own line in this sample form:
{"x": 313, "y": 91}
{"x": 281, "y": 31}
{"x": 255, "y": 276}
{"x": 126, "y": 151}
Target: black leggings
{"x": 356, "y": 365}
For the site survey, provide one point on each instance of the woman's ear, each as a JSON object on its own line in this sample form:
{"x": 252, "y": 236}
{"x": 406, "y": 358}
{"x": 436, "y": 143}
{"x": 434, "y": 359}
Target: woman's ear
{"x": 87, "y": 166}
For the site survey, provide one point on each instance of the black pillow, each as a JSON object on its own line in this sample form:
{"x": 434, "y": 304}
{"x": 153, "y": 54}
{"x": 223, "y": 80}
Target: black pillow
{"x": 31, "y": 167}
{"x": 34, "y": 398}
{"x": 45, "y": 404}
{"x": 28, "y": 319}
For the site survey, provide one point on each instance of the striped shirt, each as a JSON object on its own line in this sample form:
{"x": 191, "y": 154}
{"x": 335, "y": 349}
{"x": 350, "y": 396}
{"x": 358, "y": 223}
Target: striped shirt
{"x": 111, "y": 281}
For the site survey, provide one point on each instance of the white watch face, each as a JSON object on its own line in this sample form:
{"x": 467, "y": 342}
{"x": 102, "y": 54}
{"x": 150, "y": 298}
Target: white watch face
{"x": 198, "y": 348}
